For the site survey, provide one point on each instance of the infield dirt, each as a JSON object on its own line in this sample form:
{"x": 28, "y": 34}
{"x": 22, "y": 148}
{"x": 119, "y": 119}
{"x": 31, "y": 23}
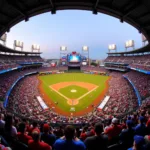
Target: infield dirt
{"x": 90, "y": 108}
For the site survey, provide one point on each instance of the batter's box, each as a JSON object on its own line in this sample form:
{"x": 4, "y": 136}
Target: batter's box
{"x": 72, "y": 109}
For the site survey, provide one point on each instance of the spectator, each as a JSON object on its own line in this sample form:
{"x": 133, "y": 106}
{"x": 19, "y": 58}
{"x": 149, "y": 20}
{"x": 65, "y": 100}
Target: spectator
{"x": 2, "y": 123}
{"x": 47, "y": 136}
{"x": 83, "y": 134}
{"x": 113, "y": 131}
{"x": 138, "y": 143}
{"x": 60, "y": 131}
{"x": 69, "y": 141}
{"x": 2, "y": 147}
{"x": 147, "y": 141}
{"x": 9, "y": 129}
{"x": 34, "y": 126}
{"x": 22, "y": 136}
{"x": 35, "y": 144}
{"x": 140, "y": 129}
{"x": 97, "y": 142}
{"x": 148, "y": 122}
{"x": 126, "y": 136}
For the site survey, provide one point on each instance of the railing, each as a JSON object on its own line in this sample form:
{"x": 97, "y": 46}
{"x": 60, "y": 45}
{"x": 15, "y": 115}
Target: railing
{"x": 135, "y": 90}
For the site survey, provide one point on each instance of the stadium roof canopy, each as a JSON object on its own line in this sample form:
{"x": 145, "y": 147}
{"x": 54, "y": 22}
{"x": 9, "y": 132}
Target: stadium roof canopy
{"x": 134, "y": 12}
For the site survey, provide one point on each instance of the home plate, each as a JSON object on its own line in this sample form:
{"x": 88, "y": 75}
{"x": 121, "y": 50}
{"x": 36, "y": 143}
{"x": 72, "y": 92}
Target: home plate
{"x": 73, "y": 91}
{"x": 72, "y": 109}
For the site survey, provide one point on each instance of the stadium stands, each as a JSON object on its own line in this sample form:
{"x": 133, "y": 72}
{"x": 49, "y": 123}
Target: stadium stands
{"x": 111, "y": 125}
{"x": 12, "y": 61}
{"x": 24, "y": 107}
{"x": 141, "y": 81}
{"x": 139, "y": 61}
{"x": 121, "y": 122}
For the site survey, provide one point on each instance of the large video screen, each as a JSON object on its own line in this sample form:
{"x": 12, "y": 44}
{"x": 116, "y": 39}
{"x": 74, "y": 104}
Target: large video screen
{"x": 74, "y": 58}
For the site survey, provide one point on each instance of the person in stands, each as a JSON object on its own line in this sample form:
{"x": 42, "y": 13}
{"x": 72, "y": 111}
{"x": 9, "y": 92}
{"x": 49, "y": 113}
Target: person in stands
{"x": 147, "y": 142}
{"x": 22, "y": 136}
{"x": 47, "y": 136}
{"x": 140, "y": 129}
{"x": 69, "y": 141}
{"x": 113, "y": 131}
{"x": 83, "y": 134}
{"x": 35, "y": 144}
{"x": 33, "y": 127}
{"x": 126, "y": 136}
{"x": 98, "y": 141}
{"x": 2, "y": 122}
{"x": 60, "y": 131}
{"x": 148, "y": 122}
{"x": 139, "y": 143}
{"x": 9, "y": 129}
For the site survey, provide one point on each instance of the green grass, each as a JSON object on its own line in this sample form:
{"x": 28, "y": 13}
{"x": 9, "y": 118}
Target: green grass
{"x": 98, "y": 80}
{"x": 67, "y": 91}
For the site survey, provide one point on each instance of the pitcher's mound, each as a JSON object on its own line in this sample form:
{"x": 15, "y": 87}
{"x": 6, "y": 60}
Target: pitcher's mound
{"x": 73, "y": 91}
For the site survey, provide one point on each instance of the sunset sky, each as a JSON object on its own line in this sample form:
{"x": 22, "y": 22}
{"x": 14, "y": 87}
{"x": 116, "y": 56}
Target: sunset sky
{"x": 74, "y": 29}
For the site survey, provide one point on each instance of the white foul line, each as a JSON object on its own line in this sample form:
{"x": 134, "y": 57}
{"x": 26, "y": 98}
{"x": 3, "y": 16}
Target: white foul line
{"x": 77, "y": 98}
{"x": 60, "y": 93}
{"x": 87, "y": 93}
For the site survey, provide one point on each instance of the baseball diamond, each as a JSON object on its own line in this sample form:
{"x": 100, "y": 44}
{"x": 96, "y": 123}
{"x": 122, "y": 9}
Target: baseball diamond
{"x": 73, "y": 90}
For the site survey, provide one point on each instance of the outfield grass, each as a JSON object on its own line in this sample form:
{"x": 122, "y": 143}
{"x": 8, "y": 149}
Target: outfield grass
{"x": 48, "y": 80}
{"x": 73, "y": 95}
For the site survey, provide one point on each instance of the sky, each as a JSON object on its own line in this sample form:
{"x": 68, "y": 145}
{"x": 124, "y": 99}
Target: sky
{"x": 74, "y": 29}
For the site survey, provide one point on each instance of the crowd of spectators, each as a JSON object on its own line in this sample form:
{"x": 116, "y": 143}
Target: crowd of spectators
{"x": 122, "y": 100}
{"x": 139, "y": 62}
{"x": 25, "y": 103}
{"x": 122, "y": 97}
{"x": 112, "y": 128}
{"x": 7, "y": 79}
{"x": 12, "y": 61}
{"x": 139, "y": 66}
{"x": 131, "y": 132}
{"x": 93, "y": 68}
{"x": 141, "y": 82}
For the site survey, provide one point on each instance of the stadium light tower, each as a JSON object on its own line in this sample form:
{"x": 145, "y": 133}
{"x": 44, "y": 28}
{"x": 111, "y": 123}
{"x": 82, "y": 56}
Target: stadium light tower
{"x": 85, "y": 52}
{"x": 112, "y": 47}
{"x": 63, "y": 51}
{"x": 35, "y": 47}
{"x": 18, "y": 44}
{"x": 129, "y": 43}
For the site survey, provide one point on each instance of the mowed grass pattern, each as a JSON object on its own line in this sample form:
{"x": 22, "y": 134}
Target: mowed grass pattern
{"x": 73, "y": 95}
{"x": 48, "y": 80}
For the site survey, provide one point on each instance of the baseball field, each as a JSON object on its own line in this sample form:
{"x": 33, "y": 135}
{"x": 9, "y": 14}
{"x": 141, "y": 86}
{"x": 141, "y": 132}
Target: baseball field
{"x": 73, "y": 93}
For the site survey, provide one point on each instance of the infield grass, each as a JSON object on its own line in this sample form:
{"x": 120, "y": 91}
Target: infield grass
{"x": 86, "y": 101}
{"x": 73, "y": 91}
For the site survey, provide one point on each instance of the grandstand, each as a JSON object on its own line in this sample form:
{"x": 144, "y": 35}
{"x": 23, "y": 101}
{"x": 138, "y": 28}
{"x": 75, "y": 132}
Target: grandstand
{"x": 124, "y": 117}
